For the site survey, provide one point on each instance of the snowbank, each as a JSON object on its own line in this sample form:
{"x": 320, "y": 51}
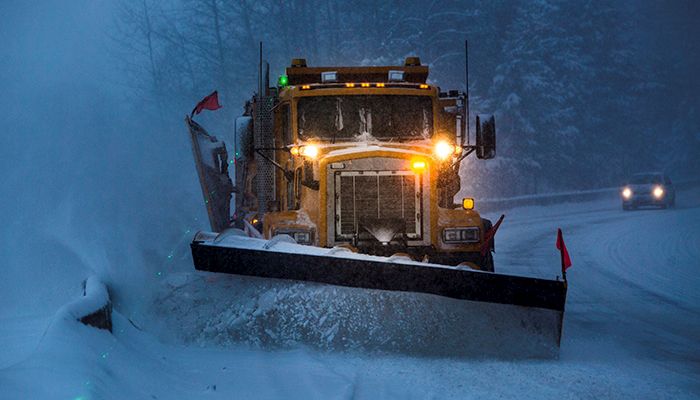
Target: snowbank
{"x": 93, "y": 309}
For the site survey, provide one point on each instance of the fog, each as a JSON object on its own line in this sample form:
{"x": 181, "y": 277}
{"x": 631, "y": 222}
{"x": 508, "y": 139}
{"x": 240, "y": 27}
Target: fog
{"x": 93, "y": 180}
{"x": 98, "y": 174}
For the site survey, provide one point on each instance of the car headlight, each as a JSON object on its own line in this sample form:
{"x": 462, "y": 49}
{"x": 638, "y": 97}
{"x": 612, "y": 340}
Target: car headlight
{"x": 460, "y": 235}
{"x": 300, "y": 236}
{"x": 627, "y": 193}
{"x": 658, "y": 192}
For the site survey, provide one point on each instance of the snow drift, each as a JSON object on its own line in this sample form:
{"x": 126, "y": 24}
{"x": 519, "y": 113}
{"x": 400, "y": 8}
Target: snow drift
{"x": 223, "y": 310}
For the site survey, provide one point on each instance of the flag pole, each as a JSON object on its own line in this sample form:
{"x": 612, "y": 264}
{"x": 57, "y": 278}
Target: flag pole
{"x": 563, "y": 254}
{"x": 563, "y": 265}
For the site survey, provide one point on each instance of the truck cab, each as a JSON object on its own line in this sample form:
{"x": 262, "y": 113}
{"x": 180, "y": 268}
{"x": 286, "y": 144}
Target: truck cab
{"x": 365, "y": 158}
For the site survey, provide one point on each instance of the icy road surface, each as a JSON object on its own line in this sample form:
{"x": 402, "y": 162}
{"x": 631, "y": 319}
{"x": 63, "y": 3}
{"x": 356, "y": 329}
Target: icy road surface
{"x": 631, "y": 330}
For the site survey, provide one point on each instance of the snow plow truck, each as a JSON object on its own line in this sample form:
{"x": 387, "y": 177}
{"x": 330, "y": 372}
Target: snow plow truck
{"x": 347, "y": 176}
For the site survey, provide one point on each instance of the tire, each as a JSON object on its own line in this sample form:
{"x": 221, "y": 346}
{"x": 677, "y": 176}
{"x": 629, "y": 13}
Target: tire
{"x": 487, "y": 263}
{"x": 487, "y": 223}
{"x": 487, "y": 227}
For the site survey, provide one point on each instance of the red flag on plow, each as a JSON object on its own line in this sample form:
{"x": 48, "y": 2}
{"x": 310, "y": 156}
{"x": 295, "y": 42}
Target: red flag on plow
{"x": 565, "y": 259}
{"x": 489, "y": 236}
{"x": 210, "y": 102}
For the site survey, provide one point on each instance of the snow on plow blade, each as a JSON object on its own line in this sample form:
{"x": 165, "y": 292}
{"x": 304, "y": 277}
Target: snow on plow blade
{"x": 415, "y": 308}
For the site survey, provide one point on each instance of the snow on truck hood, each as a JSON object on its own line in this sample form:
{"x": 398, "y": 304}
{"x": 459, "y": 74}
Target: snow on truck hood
{"x": 368, "y": 148}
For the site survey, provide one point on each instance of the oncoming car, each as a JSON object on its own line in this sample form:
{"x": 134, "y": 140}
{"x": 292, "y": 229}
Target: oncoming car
{"x": 648, "y": 189}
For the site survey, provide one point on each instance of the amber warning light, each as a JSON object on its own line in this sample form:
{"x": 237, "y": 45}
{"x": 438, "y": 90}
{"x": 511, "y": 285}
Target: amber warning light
{"x": 418, "y": 166}
{"x": 468, "y": 203}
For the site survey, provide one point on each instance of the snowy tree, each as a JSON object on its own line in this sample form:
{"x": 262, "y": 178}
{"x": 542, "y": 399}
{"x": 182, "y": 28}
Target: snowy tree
{"x": 577, "y": 89}
{"x": 538, "y": 91}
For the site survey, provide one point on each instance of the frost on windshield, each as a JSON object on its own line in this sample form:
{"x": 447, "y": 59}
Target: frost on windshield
{"x": 363, "y": 117}
{"x": 427, "y": 116}
{"x": 339, "y": 114}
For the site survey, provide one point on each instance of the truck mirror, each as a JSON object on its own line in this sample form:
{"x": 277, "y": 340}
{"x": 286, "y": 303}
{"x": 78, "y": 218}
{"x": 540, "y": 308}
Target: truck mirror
{"x": 485, "y": 137}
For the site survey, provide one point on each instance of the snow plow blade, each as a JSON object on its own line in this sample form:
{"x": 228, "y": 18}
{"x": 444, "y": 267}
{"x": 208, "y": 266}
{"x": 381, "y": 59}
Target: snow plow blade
{"x": 490, "y": 314}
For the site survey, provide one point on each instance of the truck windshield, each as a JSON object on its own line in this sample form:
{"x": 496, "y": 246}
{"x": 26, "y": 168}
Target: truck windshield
{"x": 351, "y": 117}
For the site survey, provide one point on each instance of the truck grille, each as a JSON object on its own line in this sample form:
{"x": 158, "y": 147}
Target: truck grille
{"x": 372, "y": 195}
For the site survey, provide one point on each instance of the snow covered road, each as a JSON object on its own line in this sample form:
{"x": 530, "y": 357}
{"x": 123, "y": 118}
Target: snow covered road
{"x": 631, "y": 330}
{"x": 635, "y": 283}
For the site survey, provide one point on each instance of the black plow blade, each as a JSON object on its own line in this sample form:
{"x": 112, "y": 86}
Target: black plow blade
{"x": 440, "y": 310}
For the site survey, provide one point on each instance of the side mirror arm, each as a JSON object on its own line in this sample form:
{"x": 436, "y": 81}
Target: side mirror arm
{"x": 288, "y": 175}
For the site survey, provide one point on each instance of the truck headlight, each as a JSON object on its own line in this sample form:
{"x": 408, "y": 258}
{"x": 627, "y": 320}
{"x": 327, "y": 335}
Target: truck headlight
{"x": 300, "y": 236}
{"x": 443, "y": 150}
{"x": 310, "y": 151}
{"x": 658, "y": 192}
{"x": 460, "y": 235}
{"x": 627, "y": 193}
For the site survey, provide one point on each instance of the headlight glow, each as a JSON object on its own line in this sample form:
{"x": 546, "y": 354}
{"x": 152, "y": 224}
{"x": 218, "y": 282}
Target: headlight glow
{"x": 443, "y": 150}
{"x": 627, "y": 193}
{"x": 658, "y": 192}
{"x": 310, "y": 151}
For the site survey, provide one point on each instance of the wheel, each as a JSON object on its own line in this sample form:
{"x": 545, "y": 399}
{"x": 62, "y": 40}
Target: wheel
{"x": 487, "y": 224}
{"x": 487, "y": 262}
{"x": 487, "y": 227}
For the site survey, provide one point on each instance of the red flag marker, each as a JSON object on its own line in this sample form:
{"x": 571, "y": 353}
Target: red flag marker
{"x": 489, "y": 236}
{"x": 565, "y": 259}
{"x": 210, "y": 102}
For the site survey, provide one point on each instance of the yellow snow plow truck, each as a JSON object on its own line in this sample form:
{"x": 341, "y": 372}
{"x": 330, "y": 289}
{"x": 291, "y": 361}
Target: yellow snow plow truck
{"x": 347, "y": 176}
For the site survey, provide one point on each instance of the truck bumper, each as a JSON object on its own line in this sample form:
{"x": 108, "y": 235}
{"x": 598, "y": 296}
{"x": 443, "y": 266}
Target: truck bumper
{"x": 419, "y": 253}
